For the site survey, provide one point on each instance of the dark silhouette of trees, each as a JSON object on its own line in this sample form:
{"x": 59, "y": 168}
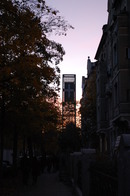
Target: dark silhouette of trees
{"x": 88, "y": 112}
{"x": 70, "y": 138}
{"x": 29, "y": 72}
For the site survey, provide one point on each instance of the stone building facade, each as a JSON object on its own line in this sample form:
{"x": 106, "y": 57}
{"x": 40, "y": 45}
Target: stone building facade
{"x": 113, "y": 77}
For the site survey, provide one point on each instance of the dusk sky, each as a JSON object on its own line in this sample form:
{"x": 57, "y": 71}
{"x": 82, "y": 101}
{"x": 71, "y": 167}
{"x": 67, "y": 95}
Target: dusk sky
{"x": 87, "y": 17}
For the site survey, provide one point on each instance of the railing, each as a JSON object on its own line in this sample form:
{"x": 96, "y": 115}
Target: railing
{"x": 102, "y": 184}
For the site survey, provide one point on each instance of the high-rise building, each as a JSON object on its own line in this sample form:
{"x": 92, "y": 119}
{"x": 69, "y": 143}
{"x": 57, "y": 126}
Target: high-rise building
{"x": 68, "y": 99}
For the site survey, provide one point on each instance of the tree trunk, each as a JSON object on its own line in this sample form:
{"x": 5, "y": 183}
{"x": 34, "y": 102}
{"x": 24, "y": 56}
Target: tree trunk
{"x": 2, "y": 130}
{"x": 15, "y": 148}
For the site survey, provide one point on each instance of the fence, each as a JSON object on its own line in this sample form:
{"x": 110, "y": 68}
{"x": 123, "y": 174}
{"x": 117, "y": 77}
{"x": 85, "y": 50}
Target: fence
{"x": 95, "y": 177}
{"x": 102, "y": 184}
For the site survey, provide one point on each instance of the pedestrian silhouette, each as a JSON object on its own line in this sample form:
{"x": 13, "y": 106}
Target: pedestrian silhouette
{"x": 25, "y": 167}
{"x": 43, "y": 163}
{"x": 35, "y": 169}
{"x": 49, "y": 163}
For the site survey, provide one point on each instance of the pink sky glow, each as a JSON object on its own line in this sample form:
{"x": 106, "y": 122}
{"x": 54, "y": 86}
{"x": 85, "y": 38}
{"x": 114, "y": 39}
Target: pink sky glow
{"x": 88, "y": 18}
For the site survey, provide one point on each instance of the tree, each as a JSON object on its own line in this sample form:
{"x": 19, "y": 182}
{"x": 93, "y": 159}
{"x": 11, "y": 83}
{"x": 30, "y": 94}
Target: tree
{"x": 70, "y": 138}
{"x": 88, "y": 112}
{"x": 28, "y": 65}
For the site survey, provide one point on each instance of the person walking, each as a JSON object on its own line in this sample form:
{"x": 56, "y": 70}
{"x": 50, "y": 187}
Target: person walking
{"x": 25, "y": 167}
{"x": 35, "y": 169}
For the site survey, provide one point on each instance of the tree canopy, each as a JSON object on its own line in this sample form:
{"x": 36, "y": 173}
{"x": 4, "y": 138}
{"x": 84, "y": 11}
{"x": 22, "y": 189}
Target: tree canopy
{"x": 29, "y": 72}
{"x": 88, "y": 111}
{"x": 70, "y": 138}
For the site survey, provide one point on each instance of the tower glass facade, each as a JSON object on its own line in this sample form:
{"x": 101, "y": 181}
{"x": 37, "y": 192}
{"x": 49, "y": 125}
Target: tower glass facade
{"x": 68, "y": 99}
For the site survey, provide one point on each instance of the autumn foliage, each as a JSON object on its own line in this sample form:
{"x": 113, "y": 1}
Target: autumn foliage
{"x": 29, "y": 72}
{"x": 88, "y": 112}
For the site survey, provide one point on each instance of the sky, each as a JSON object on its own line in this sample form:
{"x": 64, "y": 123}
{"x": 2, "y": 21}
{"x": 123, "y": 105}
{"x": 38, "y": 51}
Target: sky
{"x": 87, "y": 17}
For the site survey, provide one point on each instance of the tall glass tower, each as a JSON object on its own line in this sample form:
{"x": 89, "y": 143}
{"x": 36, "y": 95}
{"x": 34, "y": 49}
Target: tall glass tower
{"x": 68, "y": 99}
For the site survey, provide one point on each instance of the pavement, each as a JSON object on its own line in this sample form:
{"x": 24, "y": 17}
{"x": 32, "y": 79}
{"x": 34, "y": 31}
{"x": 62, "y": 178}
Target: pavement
{"x": 48, "y": 184}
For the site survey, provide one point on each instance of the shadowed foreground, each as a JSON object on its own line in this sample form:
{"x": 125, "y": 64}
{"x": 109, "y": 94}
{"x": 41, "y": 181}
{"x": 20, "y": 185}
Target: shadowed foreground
{"x": 48, "y": 184}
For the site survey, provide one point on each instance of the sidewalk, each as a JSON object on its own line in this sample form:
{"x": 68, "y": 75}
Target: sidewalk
{"x": 48, "y": 184}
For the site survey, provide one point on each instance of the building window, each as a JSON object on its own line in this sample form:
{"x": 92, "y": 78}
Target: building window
{"x": 115, "y": 54}
{"x": 115, "y": 94}
{"x": 69, "y": 91}
{"x": 128, "y": 95}
{"x": 128, "y": 53}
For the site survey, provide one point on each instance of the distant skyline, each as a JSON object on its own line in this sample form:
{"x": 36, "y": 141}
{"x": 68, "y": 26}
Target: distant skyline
{"x": 87, "y": 17}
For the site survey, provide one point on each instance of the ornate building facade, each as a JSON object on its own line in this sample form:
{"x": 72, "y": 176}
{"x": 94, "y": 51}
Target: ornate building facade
{"x": 113, "y": 77}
